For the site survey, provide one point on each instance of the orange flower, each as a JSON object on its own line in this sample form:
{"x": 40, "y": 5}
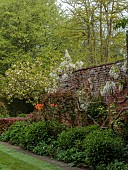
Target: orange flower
{"x": 53, "y": 105}
{"x": 39, "y": 106}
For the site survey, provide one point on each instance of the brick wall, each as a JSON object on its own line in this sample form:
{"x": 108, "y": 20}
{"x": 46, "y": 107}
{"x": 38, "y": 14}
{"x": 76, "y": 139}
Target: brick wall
{"x": 94, "y": 78}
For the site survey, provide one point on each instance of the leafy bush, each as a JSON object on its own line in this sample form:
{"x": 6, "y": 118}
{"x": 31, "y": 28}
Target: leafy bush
{"x": 61, "y": 106}
{"x": 73, "y": 156}
{"x": 97, "y": 110}
{"x": 116, "y": 165}
{"x": 40, "y": 131}
{"x": 71, "y": 138}
{"x": 102, "y": 147}
{"x": 125, "y": 154}
{"x": 13, "y": 133}
{"x": 3, "y": 110}
{"x": 70, "y": 145}
{"x": 21, "y": 115}
{"x": 43, "y": 148}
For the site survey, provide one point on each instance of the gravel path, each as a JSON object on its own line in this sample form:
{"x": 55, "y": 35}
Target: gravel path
{"x": 44, "y": 158}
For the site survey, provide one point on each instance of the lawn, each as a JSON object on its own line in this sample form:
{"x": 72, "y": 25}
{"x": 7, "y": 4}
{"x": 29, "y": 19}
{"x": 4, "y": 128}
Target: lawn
{"x": 11, "y": 159}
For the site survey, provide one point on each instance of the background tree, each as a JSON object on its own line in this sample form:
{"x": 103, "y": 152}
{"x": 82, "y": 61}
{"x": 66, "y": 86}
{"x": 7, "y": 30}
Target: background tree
{"x": 90, "y": 29}
{"x": 25, "y": 80}
{"x": 29, "y": 29}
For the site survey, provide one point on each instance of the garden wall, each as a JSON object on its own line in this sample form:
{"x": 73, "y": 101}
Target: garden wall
{"x": 92, "y": 79}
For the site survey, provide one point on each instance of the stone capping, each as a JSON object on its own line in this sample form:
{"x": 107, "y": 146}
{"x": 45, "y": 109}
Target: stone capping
{"x": 101, "y": 65}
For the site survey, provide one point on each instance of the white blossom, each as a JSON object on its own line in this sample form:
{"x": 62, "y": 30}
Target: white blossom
{"x": 65, "y": 76}
{"x": 53, "y": 74}
{"x": 79, "y": 64}
{"x": 124, "y": 67}
{"x": 114, "y": 72}
{"x": 109, "y": 88}
{"x": 63, "y": 72}
{"x": 67, "y": 56}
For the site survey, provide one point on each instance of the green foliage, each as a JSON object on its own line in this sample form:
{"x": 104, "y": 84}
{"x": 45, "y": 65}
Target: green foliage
{"x": 13, "y": 133}
{"x": 72, "y": 156}
{"x": 122, "y": 23}
{"x": 96, "y": 43}
{"x": 32, "y": 134}
{"x": 40, "y": 131}
{"x": 43, "y": 148}
{"x": 102, "y": 147}
{"x": 97, "y": 110}
{"x": 21, "y": 115}
{"x": 116, "y": 165}
{"x": 3, "y": 110}
{"x": 125, "y": 153}
{"x": 25, "y": 80}
{"x": 70, "y": 145}
{"x": 28, "y": 29}
{"x": 73, "y": 137}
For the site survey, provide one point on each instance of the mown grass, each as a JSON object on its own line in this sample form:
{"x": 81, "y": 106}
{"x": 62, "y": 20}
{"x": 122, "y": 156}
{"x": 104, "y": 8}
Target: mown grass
{"x": 11, "y": 159}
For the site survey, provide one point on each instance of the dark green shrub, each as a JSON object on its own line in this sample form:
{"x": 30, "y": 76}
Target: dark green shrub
{"x": 5, "y": 136}
{"x": 72, "y": 156}
{"x": 91, "y": 128}
{"x": 71, "y": 138}
{"x": 102, "y": 147}
{"x": 125, "y": 154}
{"x": 40, "y": 131}
{"x": 70, "y": 145}
{"x": 33, "y": 134}
{"x": 97, "y": 109}
{"x": 116, "y": 165}
{"x": 13, "y": 133}
{"x": 43, "y": 148}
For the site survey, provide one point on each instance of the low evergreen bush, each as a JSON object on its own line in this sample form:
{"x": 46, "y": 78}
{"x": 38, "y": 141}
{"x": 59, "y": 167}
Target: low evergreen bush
{"x": 116, "y": 165}
{"x": 40, "y": 131}
{"x": 71, "y": 138}
{"x": 102, "y": 147}
{"x": 14, "y": 132}
{"x": 45, "y": 149}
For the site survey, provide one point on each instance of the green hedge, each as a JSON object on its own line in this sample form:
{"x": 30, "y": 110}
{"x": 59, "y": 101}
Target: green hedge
{"x": 102, "y": 147}
{"x": 82, "y": 146}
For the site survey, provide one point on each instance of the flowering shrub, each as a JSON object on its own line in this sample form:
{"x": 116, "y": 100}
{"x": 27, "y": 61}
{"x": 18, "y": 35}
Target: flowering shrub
{"x": 111, "y": 86}
{"x": 63, "y": 72}
{"x": 39, "y": 107}
{"x": 114, "y": 72}
{"x": 61, "y": 106}
{"x": 25, "y": 80}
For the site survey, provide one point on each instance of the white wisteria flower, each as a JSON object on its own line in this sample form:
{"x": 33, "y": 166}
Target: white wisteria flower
{"x": 53, "y": 74}
{"x": 63, "y": 72}
{"x": 65, "y": 76}
{"x": 109, "y": 88}
{"x": 124, "y": 67}
{"x": 67, "y": 56}
{"x": 114, "y": 72}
